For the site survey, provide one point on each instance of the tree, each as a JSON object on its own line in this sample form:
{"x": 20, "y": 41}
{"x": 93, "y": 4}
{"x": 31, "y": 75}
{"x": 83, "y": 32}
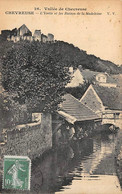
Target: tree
{"x": 78, "y": 91}
{"x": 36, "y": 74}
{"x": 11, "y": 112}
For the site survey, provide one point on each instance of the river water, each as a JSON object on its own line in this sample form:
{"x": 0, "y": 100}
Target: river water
{"x": 83, "y": 167}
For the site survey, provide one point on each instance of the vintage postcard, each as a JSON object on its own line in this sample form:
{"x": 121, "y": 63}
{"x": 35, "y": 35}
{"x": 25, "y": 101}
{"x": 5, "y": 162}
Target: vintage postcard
{"x": 61, "y": 96}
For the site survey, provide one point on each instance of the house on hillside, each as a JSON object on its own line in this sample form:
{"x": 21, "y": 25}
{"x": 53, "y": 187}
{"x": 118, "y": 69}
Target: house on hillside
{"x": 50, "y": 37}
{"x": 79, "y": 76}
{"x": 44, "y": 38}
{"x": 76, "y": 80}
{"x": 37, "y": 35}
{"x": 6, "y": 34}
{"x": 103, "y": 100}
{"x": 23, "y": 31}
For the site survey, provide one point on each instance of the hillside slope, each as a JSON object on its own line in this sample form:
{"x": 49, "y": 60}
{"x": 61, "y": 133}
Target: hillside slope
{"x": 71, "y": 55}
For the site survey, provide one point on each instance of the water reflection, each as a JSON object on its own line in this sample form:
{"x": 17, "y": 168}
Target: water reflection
{"x": 88, "y": 162}
{"x": 101, "y": 185}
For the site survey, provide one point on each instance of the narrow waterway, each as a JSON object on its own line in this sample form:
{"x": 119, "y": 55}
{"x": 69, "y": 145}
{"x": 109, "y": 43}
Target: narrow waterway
{"x": 84, "y": 167}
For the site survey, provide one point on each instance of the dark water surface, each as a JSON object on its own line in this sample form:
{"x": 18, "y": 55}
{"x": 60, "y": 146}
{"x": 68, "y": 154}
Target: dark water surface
{"x": 84, "y": 167}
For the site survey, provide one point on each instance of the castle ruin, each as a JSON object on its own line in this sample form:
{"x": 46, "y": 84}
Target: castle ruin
{"x": 23, "y": 33}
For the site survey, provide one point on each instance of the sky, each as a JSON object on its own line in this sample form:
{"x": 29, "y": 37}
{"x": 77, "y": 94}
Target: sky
{"x": 97, "y": 34}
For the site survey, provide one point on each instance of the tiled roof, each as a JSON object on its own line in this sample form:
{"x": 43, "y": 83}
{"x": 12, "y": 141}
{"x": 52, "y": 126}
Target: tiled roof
{"x": 76, "y": 109}
{"x": 111, "y": 97}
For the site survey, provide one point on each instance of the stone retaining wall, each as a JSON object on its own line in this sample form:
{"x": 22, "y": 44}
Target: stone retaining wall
{"x": 29, "y": 140}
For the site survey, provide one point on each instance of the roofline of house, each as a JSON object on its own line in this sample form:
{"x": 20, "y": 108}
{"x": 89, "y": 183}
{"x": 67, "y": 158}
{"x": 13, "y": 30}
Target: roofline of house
{"x": 84, "y": 105}
{"x": 72, "y": 119}
{"x": 91, "y": 87}
{"x": 87, "y": 107}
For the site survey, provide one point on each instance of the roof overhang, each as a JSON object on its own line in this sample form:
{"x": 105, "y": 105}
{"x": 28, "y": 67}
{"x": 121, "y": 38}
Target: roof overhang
{"x": 72, "y": 119}
{"x": 112, "y": 111}
{"x": 68, "y": 117}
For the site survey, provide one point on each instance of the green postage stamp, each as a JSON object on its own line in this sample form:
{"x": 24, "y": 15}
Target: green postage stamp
{"x": 16, "y": 172}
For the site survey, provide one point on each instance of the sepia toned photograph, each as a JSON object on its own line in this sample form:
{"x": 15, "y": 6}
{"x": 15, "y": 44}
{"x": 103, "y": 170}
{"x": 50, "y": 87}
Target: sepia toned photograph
{"x": 60, "y": 97}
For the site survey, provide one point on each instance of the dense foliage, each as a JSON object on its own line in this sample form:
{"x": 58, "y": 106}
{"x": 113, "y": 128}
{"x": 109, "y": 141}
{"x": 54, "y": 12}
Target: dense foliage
{"x": 36, "y": 74}
{"x": 78, "y": 91}
{"x": 12, "y": 112}
{"x": 72, "y": 56}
